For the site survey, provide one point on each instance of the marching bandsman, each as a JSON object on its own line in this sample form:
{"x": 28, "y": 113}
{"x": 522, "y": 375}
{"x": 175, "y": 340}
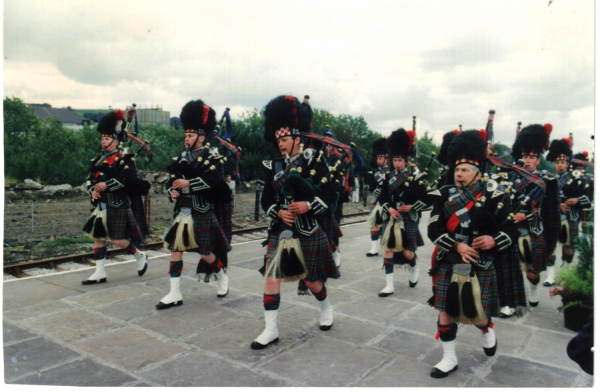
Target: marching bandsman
{"x": 560, "y": 154}
{"x": 588, "y": 179}
{"x": 297, "y": 192}
{"x": 375, "y": 180}
{"x": 113, "y": 178}
{"x": 401, "y": 200}
{"x": 534, "y": 205}
{"x": 193, "y": 186}
{"x": 469, "y": 225}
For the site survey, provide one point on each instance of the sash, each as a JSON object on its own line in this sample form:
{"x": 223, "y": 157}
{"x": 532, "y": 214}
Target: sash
{"x": 455, "y": 219}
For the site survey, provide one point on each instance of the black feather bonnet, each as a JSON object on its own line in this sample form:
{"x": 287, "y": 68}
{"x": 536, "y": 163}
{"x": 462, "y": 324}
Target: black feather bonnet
{"x": 112, "y": 124}
{"x": 197, "y": 117}
{"x": 532, "y": 140}
{"x": 559, "y": 149}
{"x": 286, "y": 116}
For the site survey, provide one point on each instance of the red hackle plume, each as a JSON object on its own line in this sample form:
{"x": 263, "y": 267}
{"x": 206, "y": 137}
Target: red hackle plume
{"x": 411, "y": 139}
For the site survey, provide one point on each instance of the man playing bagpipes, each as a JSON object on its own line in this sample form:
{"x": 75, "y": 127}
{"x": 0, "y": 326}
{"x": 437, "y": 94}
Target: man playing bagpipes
{"x": 580, "y": 162}
{"x": 570, "y": 188}
{"x": 193, "y": 186}
{"x": 375, "y": 180}
{"x": 401, "y": 200}
{"x": 297, "y": 191}
{"x": 113, "y": 185}
{"x": 469, "y": 225}
{"x": 536, "y": 209}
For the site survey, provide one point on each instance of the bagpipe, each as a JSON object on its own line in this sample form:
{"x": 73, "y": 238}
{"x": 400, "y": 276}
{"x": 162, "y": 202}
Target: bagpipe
{"x": 132, "y": 135}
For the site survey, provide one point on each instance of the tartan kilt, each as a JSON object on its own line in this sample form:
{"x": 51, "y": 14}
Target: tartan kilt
{"x": 331, "y": 228}
{"x": 207, "y": 233}
{"x": 413, "y": 234}
{"x": 316, "y": 250}
{"x": 487, "y": 283}
{"x": 122, "y": 225}
{"x": 538, "y": 252}
{"x": 509, "y": 276}
{"x": 223, "y": 213}
{"x": 573, "y": 230}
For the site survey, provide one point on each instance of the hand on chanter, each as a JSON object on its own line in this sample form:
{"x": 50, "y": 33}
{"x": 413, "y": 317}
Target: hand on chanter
{"x": 519, "y": 217}
{"x": 181, "y": 183}
{"x": 174, "y": 195}
{"x": 101, "y": 186}
{"x": 298, "y": 207}
{"x": 564, "y": 207}
{"x": 393, "y": 213}
{"x": 405, "y": 208}
{"x": 468, "y": 254}
{"x": 484, "y": 242}
{"x": 95, "y": 195}
{"x": 572, "y": 201}
{"x": 287, "y": 217}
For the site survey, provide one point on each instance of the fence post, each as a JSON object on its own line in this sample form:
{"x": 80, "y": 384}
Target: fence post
{"x": 256, "y": 205}
{"x": 32, "y": 224}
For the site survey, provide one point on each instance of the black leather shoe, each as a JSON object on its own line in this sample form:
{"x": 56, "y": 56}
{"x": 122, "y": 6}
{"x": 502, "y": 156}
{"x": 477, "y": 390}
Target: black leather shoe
{"x": 325, "y": 327}
{"x": 490, "y": 352}
{"x": 161, "y": 306}
{"x": 88, "y": 282}
{"x": 143, "y": 271}
{"x": 258, "y": 346}
{"x": 222, "y": 295}
{"x": 411, "y": 284}
{"x": 372, "y": 254}
{"x": 546, "y": 284}
{"x": 383, "y": 295}
{"x": 437, "y": 373}
{"x": 504, "y": 316}
{"x": 533, "y": 304}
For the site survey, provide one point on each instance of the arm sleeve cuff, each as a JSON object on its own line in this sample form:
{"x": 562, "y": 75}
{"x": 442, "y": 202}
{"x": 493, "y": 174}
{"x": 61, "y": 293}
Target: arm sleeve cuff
{"x": 418, "y": 206}
{"x": 530, "y": 218}
{"x": 113, "y": 184}
{"x": 317, "y": 206}
{"x": 198, "y": 184}
{"x": 583, "y": 200}
{"x": 445, "y": 242}
{"x": 272, "y": 211}
{"x": 503, "y": 241}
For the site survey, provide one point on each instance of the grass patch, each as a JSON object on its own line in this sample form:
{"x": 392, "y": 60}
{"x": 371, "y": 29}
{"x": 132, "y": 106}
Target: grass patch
{"x": 64, "y": 241}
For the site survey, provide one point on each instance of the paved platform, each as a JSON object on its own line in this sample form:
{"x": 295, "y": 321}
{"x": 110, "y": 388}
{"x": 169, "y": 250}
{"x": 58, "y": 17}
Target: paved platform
{"x": 58, "y": 332}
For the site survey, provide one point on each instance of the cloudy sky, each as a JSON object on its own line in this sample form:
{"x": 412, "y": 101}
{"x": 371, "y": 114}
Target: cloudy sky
{"x": 447, "y": 62}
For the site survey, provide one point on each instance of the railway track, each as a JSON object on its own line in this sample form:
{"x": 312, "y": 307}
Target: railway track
{"x": 19, "y": 270}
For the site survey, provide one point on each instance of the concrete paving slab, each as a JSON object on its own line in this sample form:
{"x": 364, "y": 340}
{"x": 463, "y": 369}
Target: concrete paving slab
{"x": 372, "y": 307}
{"x": 33, "y": 355}
{"x": 326, "y": 363}
{"x": 188, "y": 319}
{"x": 129, "y": 348}
{"x": 545, "y": 317}
{"x": 72, "y": 325}
{"x": 512, "y": 339}
{"x": 404, "y": 372}
{"x": 113, "y": 295}
{"x": 252, "y": 304}
{"x": 195, "y": 369}
{"x": 420, "y": 318}
{"x": 406, "y": 343}
{"x": 83, "y": 372}
{"x": 373, "y": 285}
{"x": 233, "y": 338}
{"x": 543, "y": 348}
{"x": 17, "y": 295}
{"x": 253, "y": 264}
{"x": 140, "y": 307}
{"x": 526, "y": 374}
{"x": 12, "y": 334}
{"x": 42, "y": 308}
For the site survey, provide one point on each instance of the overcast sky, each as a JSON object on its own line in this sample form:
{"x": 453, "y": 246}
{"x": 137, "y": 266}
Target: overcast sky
{"x": 447, "y": 62}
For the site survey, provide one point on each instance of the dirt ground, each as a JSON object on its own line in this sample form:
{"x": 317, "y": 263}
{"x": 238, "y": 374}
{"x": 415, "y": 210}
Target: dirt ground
{"x": 35, "y": 222}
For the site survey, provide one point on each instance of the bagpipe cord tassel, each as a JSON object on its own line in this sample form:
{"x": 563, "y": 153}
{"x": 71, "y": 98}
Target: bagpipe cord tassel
{"x": 525, "y": 251}
{"x": 96, "y": 225}
{"x": 294, "y": 267}
{"x": 452, "y": 298}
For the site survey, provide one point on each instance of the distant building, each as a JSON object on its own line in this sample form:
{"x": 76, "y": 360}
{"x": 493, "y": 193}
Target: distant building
{"x": 153, "y": 116}
{"x": 65, "y": 115}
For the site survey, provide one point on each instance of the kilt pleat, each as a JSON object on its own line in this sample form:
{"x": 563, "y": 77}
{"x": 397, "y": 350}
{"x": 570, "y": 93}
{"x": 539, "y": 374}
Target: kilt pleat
{"x": 509, "y": 276}
{"x": 316, "y": 250}
{"x": 487, "y": 283}
{"x": 223, "y": 213}
{"x": 122, "y": 225}
{"x": 207, "y": 233}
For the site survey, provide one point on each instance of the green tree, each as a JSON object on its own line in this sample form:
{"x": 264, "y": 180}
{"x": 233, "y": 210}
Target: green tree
{"x": 21, "y": 128}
